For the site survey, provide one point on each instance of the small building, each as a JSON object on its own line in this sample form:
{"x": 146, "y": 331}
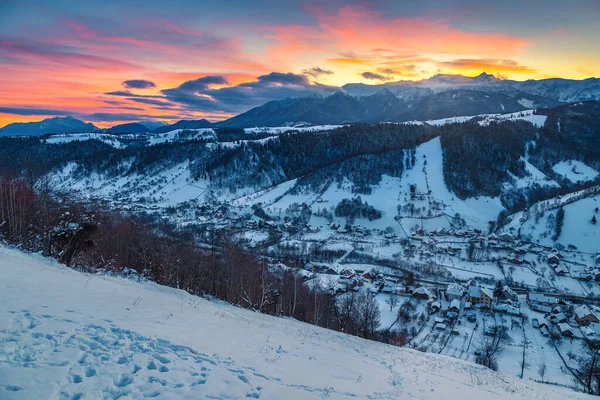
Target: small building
{"x": 566, "y": 330}
{"x": 541, "y": 299}
{"x": 454, "y": 305}
{"x": 558, "y": 318}
{"x": 423, "y": 293}
{"x": 509, "y": 294}
{"x": 584, "y": 316}
{"x": 454, "y": 292}
{"x": 479, "y": 295}
{"x": 435, "y": 307}
{"x": 490, "y": 330}
{"x": 553, "y": 259}
{"x": 561, "y": 270}
{"x": 440, "y": 326}
{"x": 592, "y": 332}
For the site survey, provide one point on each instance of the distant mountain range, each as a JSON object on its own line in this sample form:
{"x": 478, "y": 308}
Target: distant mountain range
{"x": 49, "y": 125}
{"x": 440, "y": 96}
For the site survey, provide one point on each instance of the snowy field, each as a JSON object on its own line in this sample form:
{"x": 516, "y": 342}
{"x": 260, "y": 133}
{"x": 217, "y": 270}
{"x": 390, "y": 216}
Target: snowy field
{"x": 68, "y": 335}
{"x": 575, "y": 171}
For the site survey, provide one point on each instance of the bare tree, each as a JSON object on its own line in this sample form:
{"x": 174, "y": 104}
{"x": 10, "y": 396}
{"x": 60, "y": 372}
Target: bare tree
{"x": 392, "y": 301}
{"x": 491, "y": 346}
{"x": 542, "y": 370}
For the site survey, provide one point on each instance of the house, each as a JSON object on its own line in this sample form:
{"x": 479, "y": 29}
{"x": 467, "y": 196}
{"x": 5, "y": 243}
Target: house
{"x": 479, "y": 295}
{"x": 454, "y": 305}
{"x": 440, "y": 327}
{"x": 585, "y": 276}
{"x": 566, "y": 330}
{"x": 452, "y": 315}
{"x": 560, "y": 269}
{"x": 435, "y": 307}
{"x": 557, "y": 310}
{"x": 558, "y": 318}
{"x": 541, "y": 299}
{"x": 490, "y": 330}
{"x": 552, "y": 259}
{"x": 584, "y": 316}
{"x": 507, "y": 308}
{"x": 423, "y": 293}
{"x": 509, "y": 294}
{"x": 592, "y": 332}
{"x": 368, "y": 277}
{"x": 515, "y": 260}
{"x": 454, "y": 292}
{"x": 541, "y": 308}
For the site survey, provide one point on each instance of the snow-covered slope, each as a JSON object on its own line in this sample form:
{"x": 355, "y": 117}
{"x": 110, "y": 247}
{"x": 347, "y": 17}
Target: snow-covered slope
{"x": 575, "y": 171}
{"x": 68, "y": 335}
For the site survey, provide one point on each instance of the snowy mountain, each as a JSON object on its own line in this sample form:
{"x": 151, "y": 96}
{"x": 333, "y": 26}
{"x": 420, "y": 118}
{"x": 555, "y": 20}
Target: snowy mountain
{"x": 153, "y": 125}
{"x": 440, "y": 96}
{"x": 49, "y": 125}
{"x": 184, "y": 124}
{"x": 66, "y": 334}
{"x": 133, "y": 127}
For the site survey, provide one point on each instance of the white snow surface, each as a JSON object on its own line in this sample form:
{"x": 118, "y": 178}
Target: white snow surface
{"x": 525, "y": 115}
{"x": 69, "y": 335}
{"x": 575, "y": 171}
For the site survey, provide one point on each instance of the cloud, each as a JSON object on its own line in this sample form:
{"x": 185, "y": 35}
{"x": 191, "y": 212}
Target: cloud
{"x": 40, "y": 52}
{"x": 490, "y": 65}
{"x": 34, "y": 111}
{"x": 111, "y": 117}
{"x": 149, "y": 101}
{"x": 200, "y": 94}
{"x": 316, "y": 72}
{"x": 376, "y": 77}
{"x": 200, "y": 84}
{"x": 138, "y": 84}
{"x": 126, "y": 93}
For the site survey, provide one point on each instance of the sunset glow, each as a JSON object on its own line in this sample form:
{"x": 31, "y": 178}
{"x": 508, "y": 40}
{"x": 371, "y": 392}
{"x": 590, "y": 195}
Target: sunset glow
{"x": 71, "y": 58}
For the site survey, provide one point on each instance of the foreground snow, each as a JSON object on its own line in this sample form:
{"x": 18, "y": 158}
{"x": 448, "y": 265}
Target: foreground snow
{"x": 68, "y": 335}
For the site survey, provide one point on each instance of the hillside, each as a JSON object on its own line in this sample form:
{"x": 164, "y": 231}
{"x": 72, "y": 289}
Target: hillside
{"x": 65, "y": 334}
{"x": 49, "y": 125}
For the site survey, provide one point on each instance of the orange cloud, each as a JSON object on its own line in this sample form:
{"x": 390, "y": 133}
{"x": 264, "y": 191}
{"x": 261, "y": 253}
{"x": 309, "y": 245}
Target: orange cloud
{"x": 367, "y": 40}
{"x": 489, "y": 65}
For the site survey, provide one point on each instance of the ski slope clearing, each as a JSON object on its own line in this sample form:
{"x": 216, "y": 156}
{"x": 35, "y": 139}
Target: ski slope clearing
{"x": 575, "y": 171}
{"x": 577, "y": 230}
{"x": 69, "y": 335}
{"x": 486, "y": 119}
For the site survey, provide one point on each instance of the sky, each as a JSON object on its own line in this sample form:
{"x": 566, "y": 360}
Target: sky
{"x": 118, "y": 61}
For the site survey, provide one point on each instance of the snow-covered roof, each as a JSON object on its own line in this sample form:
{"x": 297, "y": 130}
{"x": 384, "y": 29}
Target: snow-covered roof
{"x": 474, "y": 291}
{"x": 582, "y": 311}
{"x": 422, "y": 290}
{"x": 487, "y": 292}
{"x": 560, "y": 317}
{"x": 542, "y": 298}
{"x": 455, "y": 290}
{"x": 455, "y": 304}
{"x": 564, "y": 327}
